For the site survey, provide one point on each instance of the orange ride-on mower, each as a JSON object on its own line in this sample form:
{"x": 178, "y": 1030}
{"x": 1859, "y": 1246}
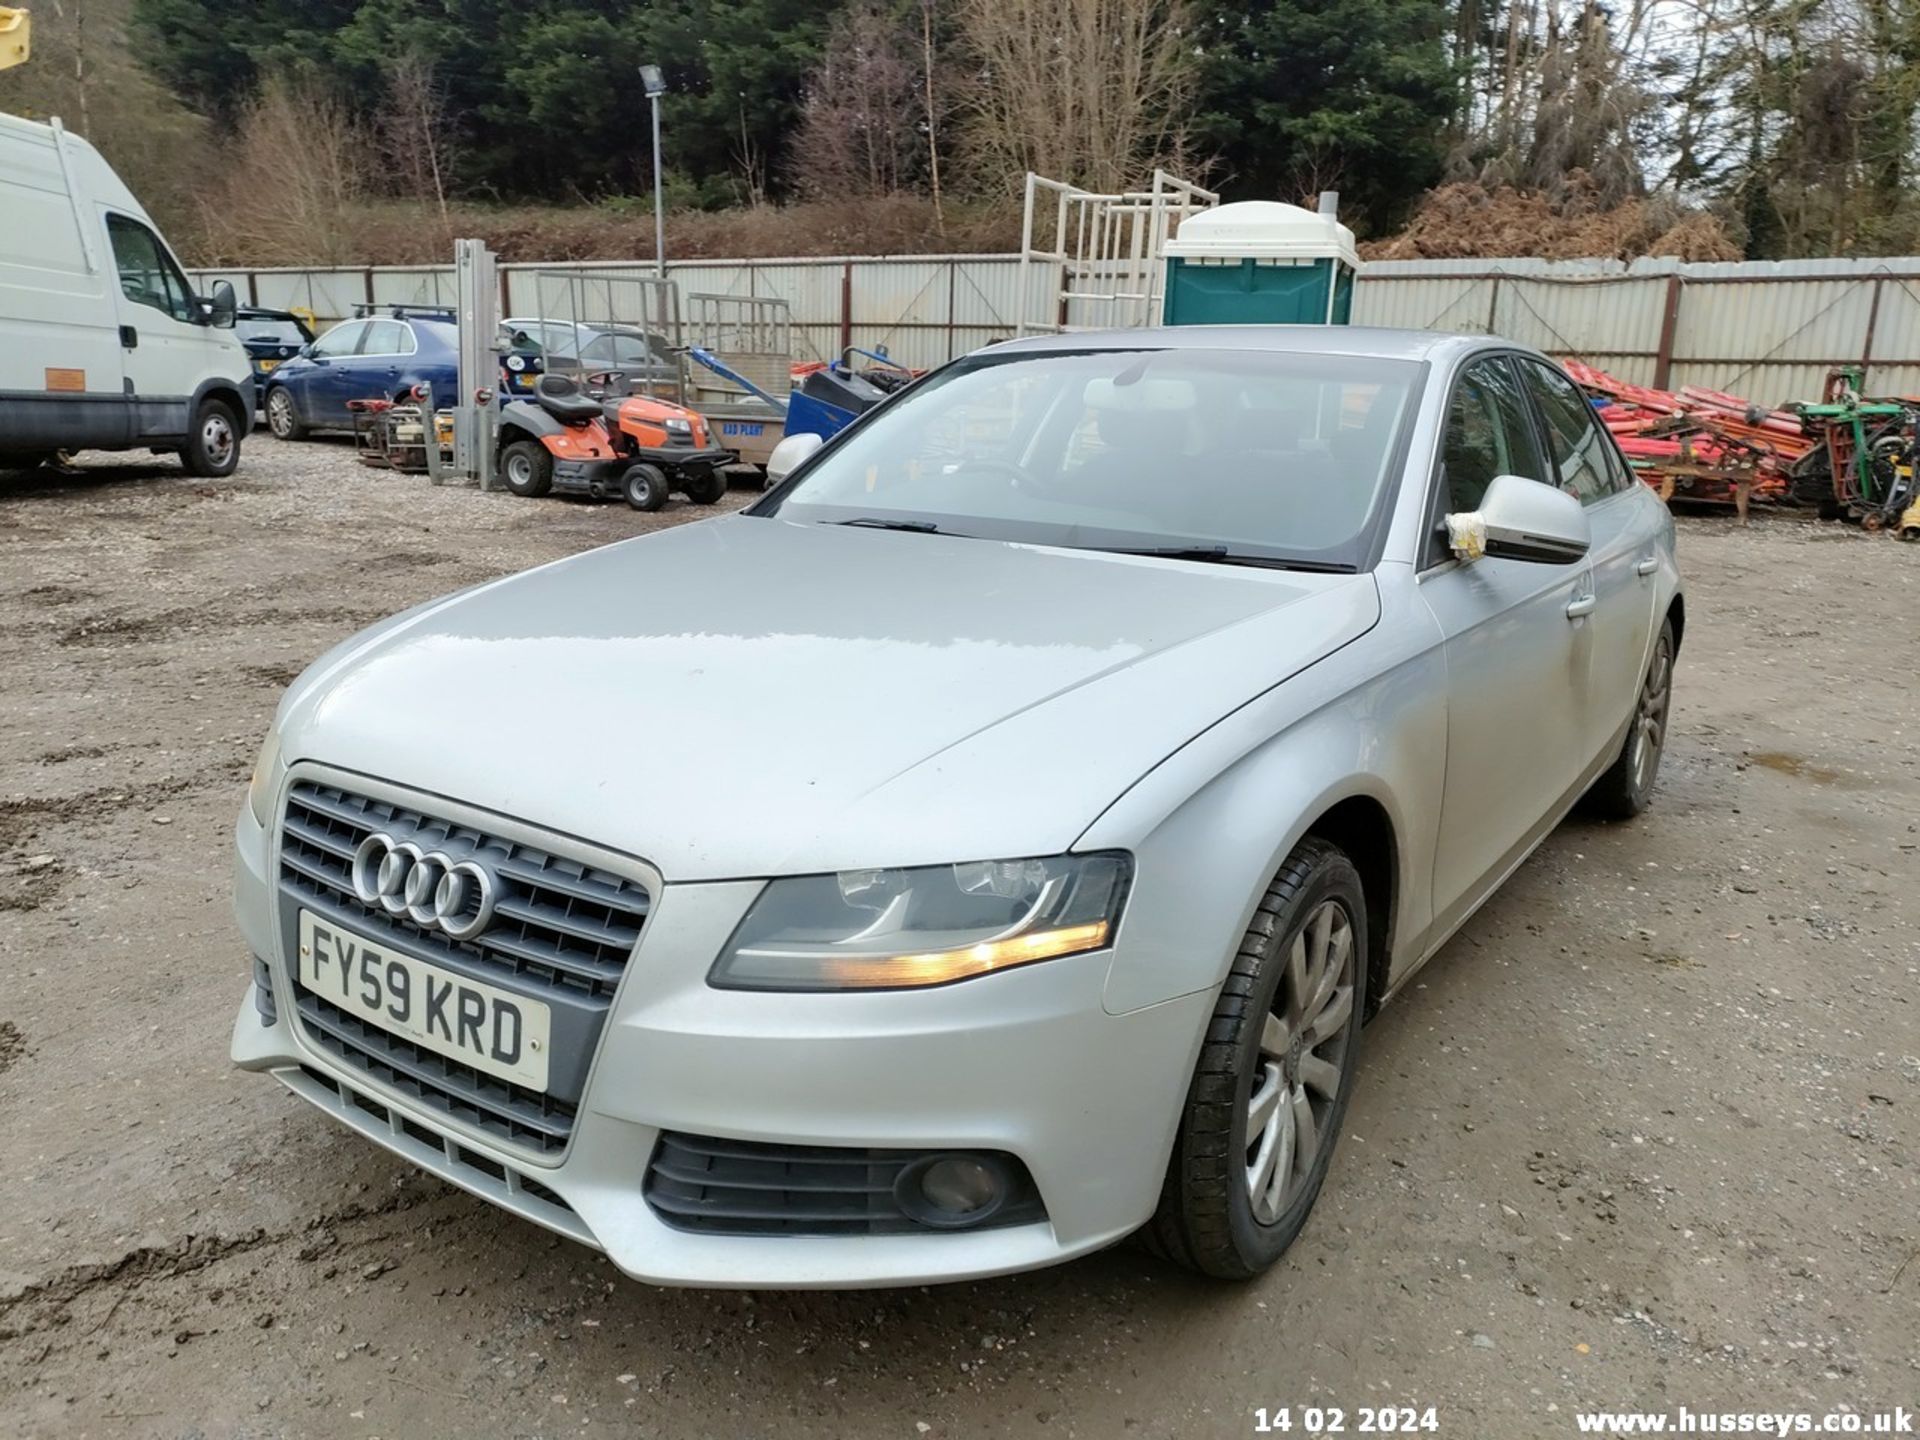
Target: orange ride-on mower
{"x": 575, "y": 441}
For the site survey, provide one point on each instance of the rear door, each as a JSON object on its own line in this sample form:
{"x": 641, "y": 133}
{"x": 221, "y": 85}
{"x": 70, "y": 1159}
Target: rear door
{"x": 1517, "y": 649}
{"x": 163, "y": 341}
{"x": 1622, "y": 559}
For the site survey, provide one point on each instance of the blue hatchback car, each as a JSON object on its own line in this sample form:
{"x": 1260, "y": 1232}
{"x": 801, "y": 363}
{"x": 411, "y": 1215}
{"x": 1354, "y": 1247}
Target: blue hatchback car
{"x": 374, "y": 357}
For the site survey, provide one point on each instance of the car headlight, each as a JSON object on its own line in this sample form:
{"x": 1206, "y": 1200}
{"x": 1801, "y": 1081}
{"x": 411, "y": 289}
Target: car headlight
{"x": 899, "y": 929}
{"x": 266, "y": 778}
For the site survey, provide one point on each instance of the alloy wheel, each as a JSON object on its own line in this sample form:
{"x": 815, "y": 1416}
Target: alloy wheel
{"x": 1302, "y": 1053}
{"x": 1650, "y": 720}
{"x": 280, "y": 414}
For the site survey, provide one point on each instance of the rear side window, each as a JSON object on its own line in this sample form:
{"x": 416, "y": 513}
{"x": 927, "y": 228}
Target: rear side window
{"x": 1580, "y": 458}
{"x": 387, "y": 337}
{"x": 148, "y": 275}
{"x": 1488, "y": 434}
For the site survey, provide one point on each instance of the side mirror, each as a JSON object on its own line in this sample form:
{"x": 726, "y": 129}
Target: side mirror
{"x": 220, "y": 311}
{"x": 788, "y": 455}
{"x": 1521, "y": 519}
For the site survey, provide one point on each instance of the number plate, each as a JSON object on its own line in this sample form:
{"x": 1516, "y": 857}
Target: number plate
{"x": 465, "y": 1020}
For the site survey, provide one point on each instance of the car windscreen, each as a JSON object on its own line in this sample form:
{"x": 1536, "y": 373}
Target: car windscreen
{"x": 268, "y": 332}
{"x": 1257, "y": 454}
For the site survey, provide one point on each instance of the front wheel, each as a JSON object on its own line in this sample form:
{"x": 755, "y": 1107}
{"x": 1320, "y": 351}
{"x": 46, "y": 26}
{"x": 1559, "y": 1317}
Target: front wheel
{"x": 645, "y": 487}
{"x": 527, "y": 468}
{"x": 1623, "y": 789}
{"x": 706, "y": 489}
{"x": 282, "y": 418}
{"x": 213, "y": 444}
{"x": 1270, "y": 1090}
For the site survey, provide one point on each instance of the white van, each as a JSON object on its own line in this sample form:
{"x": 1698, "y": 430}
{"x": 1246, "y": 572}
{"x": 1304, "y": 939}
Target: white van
{"x": 103, "y": 344}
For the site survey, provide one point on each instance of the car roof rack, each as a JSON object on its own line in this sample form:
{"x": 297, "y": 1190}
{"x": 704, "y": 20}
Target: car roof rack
{"x": 362, "y": 309}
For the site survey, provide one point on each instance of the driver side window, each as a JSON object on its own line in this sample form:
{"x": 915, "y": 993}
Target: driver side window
{"x": 341, "y": 340}
{"x": 1488, "y": 434}
{"x": 148, "y": 275}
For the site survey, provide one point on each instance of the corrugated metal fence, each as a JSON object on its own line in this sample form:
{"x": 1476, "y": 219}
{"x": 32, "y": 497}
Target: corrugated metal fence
{"x": 1766, "y": 331}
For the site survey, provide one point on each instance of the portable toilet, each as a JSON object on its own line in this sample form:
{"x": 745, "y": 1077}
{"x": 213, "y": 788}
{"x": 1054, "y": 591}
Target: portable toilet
{"x": 1259, "y": 262}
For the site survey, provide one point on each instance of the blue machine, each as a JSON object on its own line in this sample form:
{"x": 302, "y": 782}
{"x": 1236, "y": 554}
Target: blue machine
{"x": 829, "y": 399}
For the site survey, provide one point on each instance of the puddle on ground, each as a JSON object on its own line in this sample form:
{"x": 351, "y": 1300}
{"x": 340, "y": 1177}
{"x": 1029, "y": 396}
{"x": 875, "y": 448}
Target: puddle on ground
{"x": 1799, "y": 767}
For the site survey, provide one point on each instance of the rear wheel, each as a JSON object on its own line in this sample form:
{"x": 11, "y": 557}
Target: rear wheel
{"x": 1270, "y": 1089}
{"x": 645, "y": 487}
{"x": 706, "y": 489}
{"x": 527, "y": 468}
{"x": 282, "y": 418}
{"x": 1623, "y": 789}
{"x": 213, "y": 444}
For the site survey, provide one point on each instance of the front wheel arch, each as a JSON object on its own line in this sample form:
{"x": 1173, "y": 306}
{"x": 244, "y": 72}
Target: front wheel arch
{"x": 1360, "y": 827}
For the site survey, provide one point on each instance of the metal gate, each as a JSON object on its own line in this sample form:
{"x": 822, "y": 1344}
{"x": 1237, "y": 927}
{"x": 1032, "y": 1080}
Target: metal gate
{"x": 1104, "y": 251}
{"x": 590, "y": 321}
{"x": 751, "y": 335}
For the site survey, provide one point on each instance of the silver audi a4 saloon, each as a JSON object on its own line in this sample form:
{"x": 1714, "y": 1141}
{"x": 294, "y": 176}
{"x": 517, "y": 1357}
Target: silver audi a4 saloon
{"x": 989, "y": 844}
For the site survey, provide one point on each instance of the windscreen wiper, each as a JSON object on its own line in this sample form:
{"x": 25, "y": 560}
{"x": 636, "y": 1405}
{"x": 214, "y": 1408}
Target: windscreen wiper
{"x": 1221, "y": 555}
{"x": 874, "y": 522}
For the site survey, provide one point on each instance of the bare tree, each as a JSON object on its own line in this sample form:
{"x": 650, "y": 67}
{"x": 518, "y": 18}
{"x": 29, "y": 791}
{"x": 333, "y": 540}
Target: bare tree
{"x": 857, "y": 132}
{"x": 413, "y": 135}
{"x": 297, "y": 165}
{"x": 1092, "y": 91}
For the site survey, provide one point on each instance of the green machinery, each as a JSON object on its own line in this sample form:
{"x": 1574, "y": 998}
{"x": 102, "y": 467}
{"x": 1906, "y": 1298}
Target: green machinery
{"x": 1865, "y": 469}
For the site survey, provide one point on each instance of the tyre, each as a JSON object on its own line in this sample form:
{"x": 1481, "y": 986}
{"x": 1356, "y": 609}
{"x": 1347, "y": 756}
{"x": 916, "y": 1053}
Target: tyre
{"x": 213, "y": 443}
{"x": 645, "y": 487}
{"x": 1269, "y": 1093}
{"x": 283, "y": 419}
{"x": 527, "y": 468}
{"x": 706, "y": 489}
{"x": 1623, "y": 789}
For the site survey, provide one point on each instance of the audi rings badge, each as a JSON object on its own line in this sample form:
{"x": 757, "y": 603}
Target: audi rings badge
{"x": 429, "y": 887}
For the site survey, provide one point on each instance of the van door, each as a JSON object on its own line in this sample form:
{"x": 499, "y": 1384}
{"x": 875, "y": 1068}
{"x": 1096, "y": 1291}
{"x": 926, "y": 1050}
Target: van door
{"x": 163, "y": 341}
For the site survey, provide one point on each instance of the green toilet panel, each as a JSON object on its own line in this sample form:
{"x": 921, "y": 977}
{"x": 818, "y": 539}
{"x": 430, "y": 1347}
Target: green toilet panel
{"x": 1250, "y": 293}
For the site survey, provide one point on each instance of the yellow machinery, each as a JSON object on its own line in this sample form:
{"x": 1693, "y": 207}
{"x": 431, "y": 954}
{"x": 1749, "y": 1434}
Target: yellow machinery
{"x": 14, "y": 31}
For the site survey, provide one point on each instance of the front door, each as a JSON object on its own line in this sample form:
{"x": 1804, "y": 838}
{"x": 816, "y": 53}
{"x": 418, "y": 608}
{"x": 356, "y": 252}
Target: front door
{"x": 1518, "y": 645}
{"x": 163, "y": 342}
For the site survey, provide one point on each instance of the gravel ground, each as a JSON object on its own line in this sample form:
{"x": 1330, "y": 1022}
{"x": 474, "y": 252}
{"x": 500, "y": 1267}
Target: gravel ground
{"x": 1643, "y": 1134}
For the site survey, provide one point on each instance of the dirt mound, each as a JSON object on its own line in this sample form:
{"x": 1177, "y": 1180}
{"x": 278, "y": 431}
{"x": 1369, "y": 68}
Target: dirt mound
{"x": 1466, "y": 220}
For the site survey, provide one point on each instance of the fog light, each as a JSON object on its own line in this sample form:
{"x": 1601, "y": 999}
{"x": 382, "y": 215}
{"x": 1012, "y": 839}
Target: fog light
{"x": 951, "y": 1192}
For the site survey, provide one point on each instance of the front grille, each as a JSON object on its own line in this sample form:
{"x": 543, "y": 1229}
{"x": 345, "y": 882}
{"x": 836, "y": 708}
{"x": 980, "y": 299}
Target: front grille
{"x": 558, "y": 923}
{"x": 561, "y": 934}
{"x": 519, "y": 1116}
{"x": 748, "y": 1187}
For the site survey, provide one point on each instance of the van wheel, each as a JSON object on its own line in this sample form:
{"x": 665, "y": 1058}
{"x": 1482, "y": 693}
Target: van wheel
{"x": 282, "y": 418}
{"x": 213, "y": 445}
{"x": 707, "y": 489}
{"x": 527, "y": 468}
{"x": 645, "y": 487}
{"x": 1276, "y": 1068}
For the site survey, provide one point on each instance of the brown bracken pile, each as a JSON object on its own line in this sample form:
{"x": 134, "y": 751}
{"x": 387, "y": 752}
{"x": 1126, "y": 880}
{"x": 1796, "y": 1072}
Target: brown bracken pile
{"x": 1466, "y": 220}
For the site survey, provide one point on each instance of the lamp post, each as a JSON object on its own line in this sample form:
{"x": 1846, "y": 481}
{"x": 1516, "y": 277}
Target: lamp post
{"x": 655, "y": 84}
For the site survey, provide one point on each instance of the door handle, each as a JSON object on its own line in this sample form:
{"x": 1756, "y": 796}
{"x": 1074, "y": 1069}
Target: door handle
{"x": 129, "y": 338}
{"x": 1581, "y": 605}
{"x": 1647, "y": 566}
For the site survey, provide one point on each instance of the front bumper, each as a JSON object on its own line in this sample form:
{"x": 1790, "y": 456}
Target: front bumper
{"x": 1027, "y": 1062}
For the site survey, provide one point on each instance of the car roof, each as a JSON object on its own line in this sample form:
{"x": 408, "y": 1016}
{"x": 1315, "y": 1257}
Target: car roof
{"x": 1361, "y": 340}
